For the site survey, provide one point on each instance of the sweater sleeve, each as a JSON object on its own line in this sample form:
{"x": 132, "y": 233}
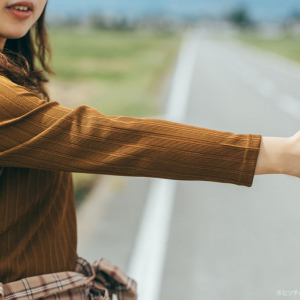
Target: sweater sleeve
{"x": 45, "y": 135}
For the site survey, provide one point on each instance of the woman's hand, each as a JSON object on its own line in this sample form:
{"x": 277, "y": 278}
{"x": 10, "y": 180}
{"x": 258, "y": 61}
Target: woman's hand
{"x": 279, "y": 156}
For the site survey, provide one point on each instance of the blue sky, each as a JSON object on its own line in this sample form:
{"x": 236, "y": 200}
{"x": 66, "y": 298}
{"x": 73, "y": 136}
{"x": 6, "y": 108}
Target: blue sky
{"x": 262, "y": 9}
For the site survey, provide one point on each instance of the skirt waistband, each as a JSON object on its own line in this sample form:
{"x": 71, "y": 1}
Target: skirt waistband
{"x": 98, "y": 281}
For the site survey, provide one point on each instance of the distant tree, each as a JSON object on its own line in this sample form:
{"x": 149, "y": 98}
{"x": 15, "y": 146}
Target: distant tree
{"x": 294, "y": 15}
{"x": 240, "y": 17}
{"x": 291, "y": 23}
{"x": 114, "y": 23}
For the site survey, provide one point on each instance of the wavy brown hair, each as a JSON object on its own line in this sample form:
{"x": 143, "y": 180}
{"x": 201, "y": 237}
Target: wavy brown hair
{"x": 20, "y": 58}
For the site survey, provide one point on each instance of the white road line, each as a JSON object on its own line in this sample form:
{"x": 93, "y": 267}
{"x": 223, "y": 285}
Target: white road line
{"x": 180, "y": 91}
{"x": 147, "y": 261}
{"x": 290, "y": 105}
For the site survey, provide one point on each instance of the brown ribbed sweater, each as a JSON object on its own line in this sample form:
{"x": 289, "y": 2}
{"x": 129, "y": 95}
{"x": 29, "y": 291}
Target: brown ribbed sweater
{"x": 42, "y": 142}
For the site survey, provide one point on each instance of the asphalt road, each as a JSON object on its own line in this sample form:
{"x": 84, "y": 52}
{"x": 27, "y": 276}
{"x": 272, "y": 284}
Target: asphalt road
{"x": 224, "y": 241}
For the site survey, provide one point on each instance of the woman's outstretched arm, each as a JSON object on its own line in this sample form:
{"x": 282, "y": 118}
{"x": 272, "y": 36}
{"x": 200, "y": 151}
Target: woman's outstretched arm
{"x": 45, "y": 135}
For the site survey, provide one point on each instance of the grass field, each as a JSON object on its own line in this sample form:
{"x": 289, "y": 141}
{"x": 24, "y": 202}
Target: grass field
{"x": 117, "y": 72}
{"x": 284, "y": 45}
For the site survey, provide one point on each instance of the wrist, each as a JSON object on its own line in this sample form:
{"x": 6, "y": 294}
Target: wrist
{"x": 273, "y": 156}
{"x": 291, "y": 156}
{"x": 285, "y": 163}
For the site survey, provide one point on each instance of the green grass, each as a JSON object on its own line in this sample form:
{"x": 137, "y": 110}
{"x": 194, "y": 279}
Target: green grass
{"x": 124, "y": 70}
{"x": 118, "y": 73}
{"x": 285, "y": 45}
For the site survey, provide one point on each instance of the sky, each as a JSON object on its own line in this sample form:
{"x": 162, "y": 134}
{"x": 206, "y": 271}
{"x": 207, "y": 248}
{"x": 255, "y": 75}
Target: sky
{"x": 260, "y": 9}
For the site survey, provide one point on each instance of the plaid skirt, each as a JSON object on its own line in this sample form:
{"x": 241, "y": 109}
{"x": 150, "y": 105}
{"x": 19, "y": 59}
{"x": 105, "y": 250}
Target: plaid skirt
{"x": 100, "y": 281}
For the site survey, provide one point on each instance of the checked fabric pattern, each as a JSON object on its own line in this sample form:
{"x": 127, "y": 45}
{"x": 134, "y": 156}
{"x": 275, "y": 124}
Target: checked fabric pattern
{"x": 98, "y": 281}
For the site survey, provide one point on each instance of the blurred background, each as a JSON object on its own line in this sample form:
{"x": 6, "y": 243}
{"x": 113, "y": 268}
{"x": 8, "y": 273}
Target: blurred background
{"x": 243, "y": 76}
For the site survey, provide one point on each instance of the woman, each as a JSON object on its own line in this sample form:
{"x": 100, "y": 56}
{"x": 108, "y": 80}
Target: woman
{"x": 41, "y": 142}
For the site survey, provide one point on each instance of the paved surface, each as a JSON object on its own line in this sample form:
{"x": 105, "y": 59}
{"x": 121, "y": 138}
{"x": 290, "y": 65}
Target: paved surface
{"x": 225, "y": 241}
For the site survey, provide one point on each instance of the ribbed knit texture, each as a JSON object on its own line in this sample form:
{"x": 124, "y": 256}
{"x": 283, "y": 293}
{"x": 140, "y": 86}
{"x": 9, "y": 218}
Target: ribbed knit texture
{"x": 41, "y": 143}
